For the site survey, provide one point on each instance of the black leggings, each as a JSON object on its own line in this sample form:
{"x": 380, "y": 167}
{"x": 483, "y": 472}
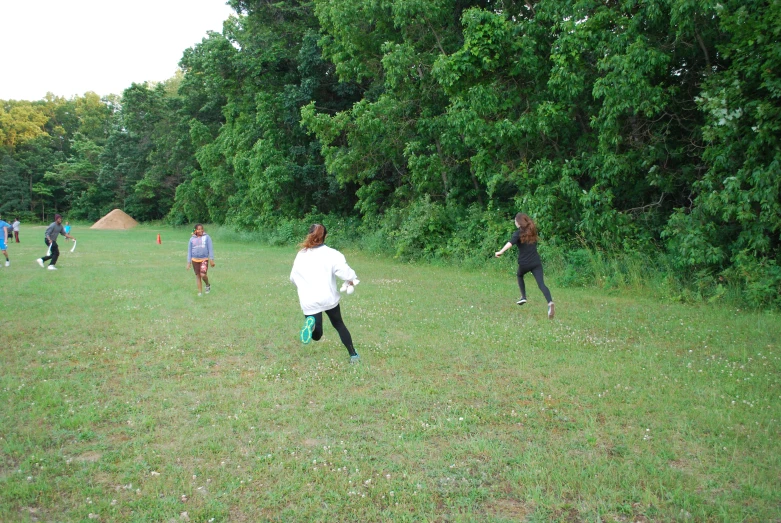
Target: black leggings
{"x": 335, "y": 315}
{"x": 55, "y": 252}
{"x": 536, "y": 271}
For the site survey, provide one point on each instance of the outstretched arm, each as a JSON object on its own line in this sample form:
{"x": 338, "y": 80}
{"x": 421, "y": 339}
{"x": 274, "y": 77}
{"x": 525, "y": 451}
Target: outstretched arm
{"x": 504, "y": 249}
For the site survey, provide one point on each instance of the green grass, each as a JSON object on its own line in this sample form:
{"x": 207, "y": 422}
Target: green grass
{"x": 125, "y": 397}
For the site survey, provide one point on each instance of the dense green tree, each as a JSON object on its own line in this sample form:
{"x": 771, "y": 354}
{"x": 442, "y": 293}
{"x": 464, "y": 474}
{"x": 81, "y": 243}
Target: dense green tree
{"x": 38, "y": 163}
{"x": 75, "y": 180}
{"x": 259, "y": 165}
{"x": 20, "y": 122}
{"x": 731, "y": 224}
{"x": 15, "y": 196}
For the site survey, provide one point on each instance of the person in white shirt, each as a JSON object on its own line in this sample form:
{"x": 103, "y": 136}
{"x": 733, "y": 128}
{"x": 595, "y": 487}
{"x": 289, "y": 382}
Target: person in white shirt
{"x": 16, "y": 225}
{"x": 314, "y": 273}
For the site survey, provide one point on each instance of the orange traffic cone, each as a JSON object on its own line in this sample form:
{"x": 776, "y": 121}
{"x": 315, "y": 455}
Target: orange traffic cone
{"x": 158, "y": 240}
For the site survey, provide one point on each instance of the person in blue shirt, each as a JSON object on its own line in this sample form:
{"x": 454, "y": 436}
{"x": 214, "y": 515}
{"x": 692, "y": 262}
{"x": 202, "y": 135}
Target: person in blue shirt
{"x": 4, "y": 240}
{"x": 200, "y": 254}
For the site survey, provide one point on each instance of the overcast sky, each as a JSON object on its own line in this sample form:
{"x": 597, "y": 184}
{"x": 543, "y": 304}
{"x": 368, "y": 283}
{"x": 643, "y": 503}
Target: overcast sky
{"x": 69, "y": 47}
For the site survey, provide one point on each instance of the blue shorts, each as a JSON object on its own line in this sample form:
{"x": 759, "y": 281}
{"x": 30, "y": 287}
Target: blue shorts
{"x": 3, "y": 246}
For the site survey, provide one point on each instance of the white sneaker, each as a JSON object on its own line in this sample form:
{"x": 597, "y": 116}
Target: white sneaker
{"x": 208, "y": 289}
{"x": 40, "y": 262}
{"x": 8, "y": 263}
{"x": 52, "y": 268}
{"x": 551, "y": 310}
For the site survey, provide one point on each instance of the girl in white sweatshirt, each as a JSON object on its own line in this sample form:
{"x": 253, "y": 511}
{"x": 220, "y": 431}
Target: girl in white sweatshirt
{"x": 314, "y": 274}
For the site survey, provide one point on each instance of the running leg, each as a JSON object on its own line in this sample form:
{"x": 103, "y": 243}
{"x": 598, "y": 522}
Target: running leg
{"x": 55, "y": 254}
{"x": 335, "y": 315}
{"x": 521, "y": 285}
{"x": 537, "y": 273}
{"x": 318, "y": 332}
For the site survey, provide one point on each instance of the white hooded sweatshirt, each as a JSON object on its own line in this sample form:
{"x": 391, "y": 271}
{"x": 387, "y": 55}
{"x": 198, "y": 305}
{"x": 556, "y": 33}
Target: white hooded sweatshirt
{"x": 314, "y": 273}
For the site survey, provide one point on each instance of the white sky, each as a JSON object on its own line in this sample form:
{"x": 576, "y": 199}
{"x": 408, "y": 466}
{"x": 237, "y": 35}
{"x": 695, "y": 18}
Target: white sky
{"x": 69, "y": 47}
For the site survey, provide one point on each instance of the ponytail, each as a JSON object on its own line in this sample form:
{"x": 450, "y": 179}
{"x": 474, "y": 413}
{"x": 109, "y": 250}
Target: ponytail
{"x": 527, "y": 228}
{"x": 315, "y": 238}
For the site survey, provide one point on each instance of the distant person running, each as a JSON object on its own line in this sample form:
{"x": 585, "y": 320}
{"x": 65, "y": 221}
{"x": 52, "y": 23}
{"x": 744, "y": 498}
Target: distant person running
{"x": 528, "y": 258}
{"x": 50, "y": 237}
{"x": 16, "y": 226}
{"x": 314, "y": 273}
{"x": 4, "y": 240}
{"x": 200, "y": 254}
{"x": 67, "y": 227}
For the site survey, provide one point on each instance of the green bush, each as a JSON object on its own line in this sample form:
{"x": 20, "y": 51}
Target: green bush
{"x": 759, "y": 279}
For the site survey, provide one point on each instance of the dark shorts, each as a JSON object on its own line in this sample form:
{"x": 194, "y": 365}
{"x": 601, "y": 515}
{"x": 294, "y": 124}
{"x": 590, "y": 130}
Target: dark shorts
{"x": 200, "y": 268}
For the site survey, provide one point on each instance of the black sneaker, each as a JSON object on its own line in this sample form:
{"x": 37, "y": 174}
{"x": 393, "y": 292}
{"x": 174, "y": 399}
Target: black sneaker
{"x": 521, "y": 301}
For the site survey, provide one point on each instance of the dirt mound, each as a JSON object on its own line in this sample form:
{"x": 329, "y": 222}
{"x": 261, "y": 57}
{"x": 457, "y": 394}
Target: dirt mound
{"x": 116, "y": 219}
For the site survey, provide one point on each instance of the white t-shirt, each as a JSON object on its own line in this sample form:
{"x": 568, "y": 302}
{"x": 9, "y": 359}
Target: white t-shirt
{"x": 314, "y": 274}
{"x": 16, "y": 225}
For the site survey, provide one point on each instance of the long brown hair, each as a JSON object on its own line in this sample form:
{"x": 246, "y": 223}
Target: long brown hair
{"x": 527, "y": 228}
{"x": 316, "y": 236}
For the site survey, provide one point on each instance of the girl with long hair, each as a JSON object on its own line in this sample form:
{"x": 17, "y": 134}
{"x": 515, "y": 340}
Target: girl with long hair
{"x": 525, "y": 238}
{"x": 314, "y": 274}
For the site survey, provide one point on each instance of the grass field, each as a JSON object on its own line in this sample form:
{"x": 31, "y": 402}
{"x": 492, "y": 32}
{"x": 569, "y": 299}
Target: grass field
{"x": 125, "y": 397}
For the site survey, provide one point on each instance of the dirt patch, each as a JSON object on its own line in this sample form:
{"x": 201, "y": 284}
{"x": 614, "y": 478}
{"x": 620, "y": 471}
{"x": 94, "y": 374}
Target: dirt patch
{"x": 90, "y": 457}
{"x": 116, "y": 219}
{"x": 33, "y": 513}
{"x": 508, "y": 509}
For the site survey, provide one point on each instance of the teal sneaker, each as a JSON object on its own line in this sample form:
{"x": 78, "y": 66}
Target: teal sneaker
{"x": 306, "y": 331}
{"x": 355, "y": 359}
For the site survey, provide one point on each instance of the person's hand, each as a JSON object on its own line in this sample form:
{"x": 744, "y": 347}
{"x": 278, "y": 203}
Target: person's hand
{"x": 188, "y": 265}
{"x": 498, "y": 253}
{"x": 212, "y": 263}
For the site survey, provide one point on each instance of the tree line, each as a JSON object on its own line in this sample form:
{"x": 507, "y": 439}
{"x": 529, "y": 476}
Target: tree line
{"x": 648, "y": 126}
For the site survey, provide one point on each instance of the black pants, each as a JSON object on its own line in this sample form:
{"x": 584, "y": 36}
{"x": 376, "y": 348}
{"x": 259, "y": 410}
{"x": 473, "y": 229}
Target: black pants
{"x": 536, "y": 271}
{"x": 335, "y": 315}
{"x": 55, "y": 252}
